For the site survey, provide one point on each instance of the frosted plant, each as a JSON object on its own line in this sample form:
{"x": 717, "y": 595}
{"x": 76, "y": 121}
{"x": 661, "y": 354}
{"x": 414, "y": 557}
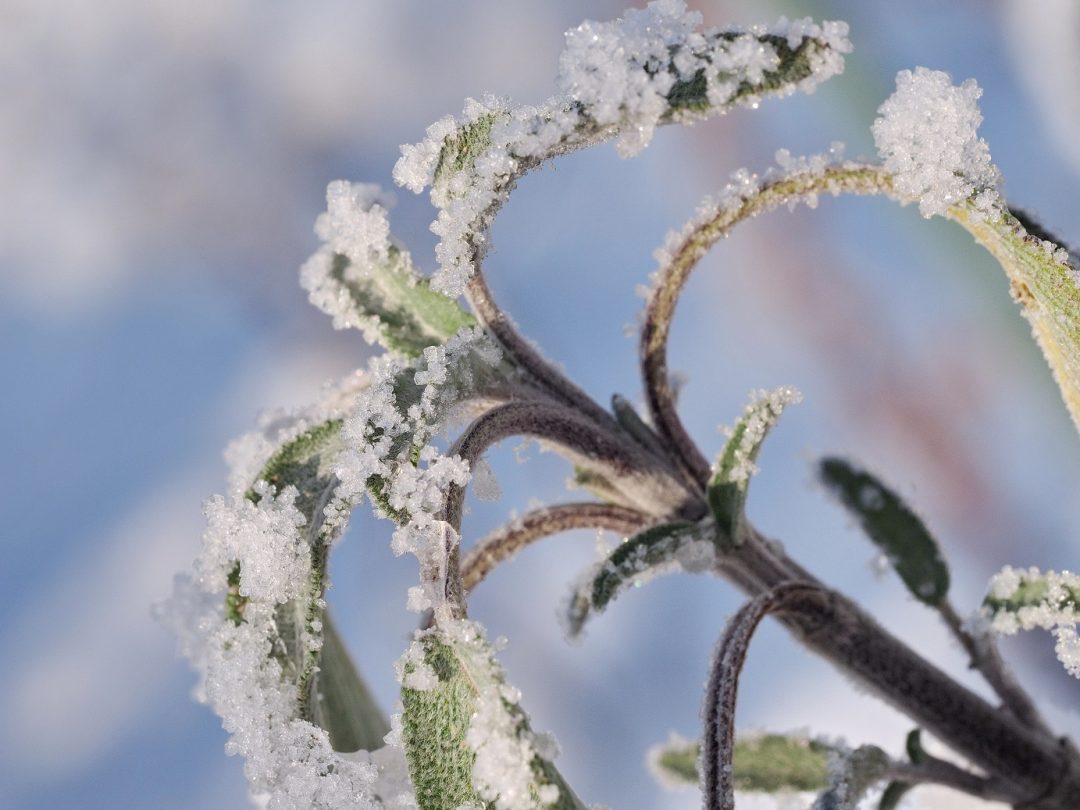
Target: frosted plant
{"x": 252, "y": 617}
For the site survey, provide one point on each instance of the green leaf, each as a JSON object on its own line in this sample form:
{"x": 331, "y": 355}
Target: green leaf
{"x": 434, "y": 724}
{"x": 401, "y": 306}
{"x": 793, "y": 66}
{"x": 344, "y": 706}
{"x": 894, "y": 792}
{"x": 892, "y": 527}
{"x": 731, "y": 477}
{"x": 461, "y": 148}
{"x": 307, "y": 463}
{"x": 766, "y": 763}
{"x": 450, "y": 683}
{"x": 1044, "y": 279}
{"x": 913, "y": 746}
{"x": 670, "y": 546}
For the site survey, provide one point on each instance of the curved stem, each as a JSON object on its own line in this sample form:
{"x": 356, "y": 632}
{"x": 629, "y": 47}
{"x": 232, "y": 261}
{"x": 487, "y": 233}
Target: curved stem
{"x": 718, "y": 741}
{"x": 672, "y": 276}
{"x": 508, "y": 540}
{"x": 524, "y": 355}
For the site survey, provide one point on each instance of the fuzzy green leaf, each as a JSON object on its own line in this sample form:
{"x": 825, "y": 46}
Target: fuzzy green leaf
{"x": 343, "y": 705}
{"x": 456, "y": 684}
{"x": 736, "y": 464}
{"x": 767, "y": 763}
{"x": 408, "y": 315}
{"x": 892, "y": 527}
{"x": 461, "y": 148}
{"x": 307, "y": 463}
{"x": 1045, "y": 280}
{"x": 434, "y": 724}
{"x": 652, "y": 551}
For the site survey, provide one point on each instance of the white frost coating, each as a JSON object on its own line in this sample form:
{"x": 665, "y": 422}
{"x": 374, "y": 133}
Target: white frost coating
{"x": 288, "y": 762}
{"x": 1049, "y": 600}
{"x": 505, "y": 747}
{"x": 690, "y": 550}
{"x": 927, "y": 138}
{"x": 741, "y": 187}
{"x": 356, "y": 225}
{"x": 760, "y": 415}
{"x": 275, "y": 560}
{"x": 381, "y": 440}
{"x": 615, "y": 79}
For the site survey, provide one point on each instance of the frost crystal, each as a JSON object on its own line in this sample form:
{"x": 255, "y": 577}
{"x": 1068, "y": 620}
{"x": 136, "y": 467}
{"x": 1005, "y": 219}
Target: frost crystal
{"x": 275, "y": 561}
{"x": 927, "y": 138}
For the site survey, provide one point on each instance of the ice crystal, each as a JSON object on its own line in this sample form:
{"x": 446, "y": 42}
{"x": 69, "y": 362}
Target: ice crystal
{"x": 927, "y": 137}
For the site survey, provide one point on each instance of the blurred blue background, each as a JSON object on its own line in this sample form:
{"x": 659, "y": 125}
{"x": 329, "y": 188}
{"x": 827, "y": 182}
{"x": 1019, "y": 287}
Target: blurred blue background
{"x": 162, "y": 165}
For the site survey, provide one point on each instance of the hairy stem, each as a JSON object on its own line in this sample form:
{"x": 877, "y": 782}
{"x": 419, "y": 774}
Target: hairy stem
{"x": 508, "y": 540}
{"x": 934, "y": 771}
{"x": 673, "y": 275}
{"x": 718, "y": 741}
{"x": 986, "y": 658}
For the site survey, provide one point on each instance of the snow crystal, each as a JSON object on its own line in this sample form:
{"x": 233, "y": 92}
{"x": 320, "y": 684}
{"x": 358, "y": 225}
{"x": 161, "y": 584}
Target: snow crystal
{"x": 275, "y": 560}
{"x": 927, "y": 138}
{"x": 355, "y": 223}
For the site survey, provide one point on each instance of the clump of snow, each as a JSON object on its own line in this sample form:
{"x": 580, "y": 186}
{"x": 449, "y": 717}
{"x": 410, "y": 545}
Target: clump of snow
{"x": 265, "y": 538}
{"x": 927, "y": 137}
{"x": 356, "y": 226}
{"x": 288, "y": 762}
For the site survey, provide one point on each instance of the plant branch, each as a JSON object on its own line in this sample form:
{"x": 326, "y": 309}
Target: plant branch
{"x": 986, "y": 658}
{"x": 672, "y": 276}
{"x": 718, "y": 741}
{"x": 523, "y": 354}
{"x": 508, "y": 540}
{"x": 932, "y": 770}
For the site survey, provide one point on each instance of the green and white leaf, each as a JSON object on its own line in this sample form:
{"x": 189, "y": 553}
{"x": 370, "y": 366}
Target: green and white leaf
{"x": 467, "y": 741}
{"x": 1024, "y": 599}
{"x": 736, "y": 464}
{"x": 307, "y": 463}
{"x": 667, "y": 548}
{"x": 1045, "y": 280}
{"x": 764, "y": 763}
{"x": 892, "y": 526}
